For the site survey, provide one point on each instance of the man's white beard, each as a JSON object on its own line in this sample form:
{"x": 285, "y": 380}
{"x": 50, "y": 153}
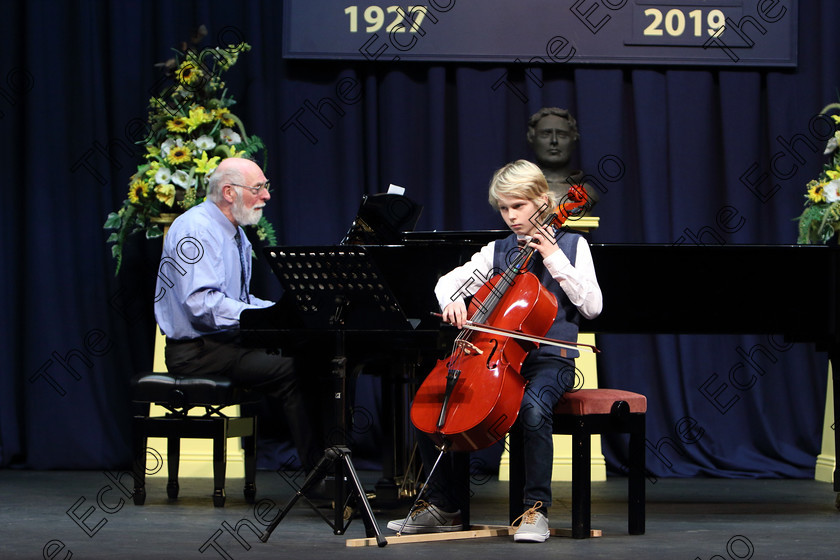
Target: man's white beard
{"x": 245, "y": 216}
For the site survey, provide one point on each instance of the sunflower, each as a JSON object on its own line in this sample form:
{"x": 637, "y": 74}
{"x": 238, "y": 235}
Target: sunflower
{"x": 138, "y": 189}
{"x": 178, "y": 154}
{"x": 178, "y": 124}
{"x": 223, "y": 116}
{"x": 188, "y": 73}
{"x": 816, "y": 192}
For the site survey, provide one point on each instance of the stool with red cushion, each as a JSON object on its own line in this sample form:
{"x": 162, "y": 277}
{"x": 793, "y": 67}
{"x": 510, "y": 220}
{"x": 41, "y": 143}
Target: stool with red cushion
{"x": 581, "y": 414}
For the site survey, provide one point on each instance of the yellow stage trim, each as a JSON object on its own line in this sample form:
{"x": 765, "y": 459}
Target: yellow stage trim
{"x": 824, "y": 471}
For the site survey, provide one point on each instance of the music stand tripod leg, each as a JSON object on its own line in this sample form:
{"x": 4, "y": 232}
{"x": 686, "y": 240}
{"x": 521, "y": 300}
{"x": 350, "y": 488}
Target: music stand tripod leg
{"x": 316, "y": 476}
{"x": 369, "y": 520}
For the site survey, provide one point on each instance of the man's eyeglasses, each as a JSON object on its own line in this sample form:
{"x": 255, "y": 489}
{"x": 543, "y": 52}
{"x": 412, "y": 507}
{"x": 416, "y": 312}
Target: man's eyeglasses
{"x": 255, "y": 190}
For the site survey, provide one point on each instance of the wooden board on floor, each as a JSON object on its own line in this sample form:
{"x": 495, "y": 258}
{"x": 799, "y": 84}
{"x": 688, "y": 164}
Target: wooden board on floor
{"x": 474, "y": 532}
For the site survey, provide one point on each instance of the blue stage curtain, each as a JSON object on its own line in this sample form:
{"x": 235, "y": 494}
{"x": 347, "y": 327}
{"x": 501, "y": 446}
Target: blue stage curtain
{"x": 671, "y": 147}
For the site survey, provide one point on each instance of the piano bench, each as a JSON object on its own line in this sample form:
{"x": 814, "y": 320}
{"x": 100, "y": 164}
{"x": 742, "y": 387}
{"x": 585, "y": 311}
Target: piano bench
{"x": 178, "y": 395}
{"x": 580, "y": 414}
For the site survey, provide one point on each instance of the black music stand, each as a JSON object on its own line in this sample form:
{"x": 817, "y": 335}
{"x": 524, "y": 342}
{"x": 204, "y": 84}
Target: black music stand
{"x": 335, "y": 289}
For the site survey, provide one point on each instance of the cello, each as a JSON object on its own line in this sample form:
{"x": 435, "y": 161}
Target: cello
{"x": 471, "y": 399}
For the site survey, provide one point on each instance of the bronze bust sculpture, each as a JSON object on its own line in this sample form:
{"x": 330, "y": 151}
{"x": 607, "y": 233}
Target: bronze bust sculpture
{"x": 553, "y": 134}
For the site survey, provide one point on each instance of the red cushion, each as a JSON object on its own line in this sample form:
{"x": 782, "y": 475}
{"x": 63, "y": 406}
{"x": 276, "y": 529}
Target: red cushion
{"x": 598, "y": 401}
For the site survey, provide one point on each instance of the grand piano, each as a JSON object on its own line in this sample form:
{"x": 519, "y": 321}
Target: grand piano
{"x": 729, "y": 289}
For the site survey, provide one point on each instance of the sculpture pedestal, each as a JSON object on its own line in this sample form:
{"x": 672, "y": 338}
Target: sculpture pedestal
{"x": 824, "y": 471}
{"x": 586, "y": 365}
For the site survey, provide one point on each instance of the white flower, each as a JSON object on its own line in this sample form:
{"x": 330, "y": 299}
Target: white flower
{"x": 832, "y": 144}
{"x": 832, "y": 191}
{"x": 170, "y": 143}
{"x": 204, "y": 143}
{"x": 181, "y": 178}
{"x": 229, "y": 136}
{"x": 167, "y": 145}
{"x": 163, "y": 176}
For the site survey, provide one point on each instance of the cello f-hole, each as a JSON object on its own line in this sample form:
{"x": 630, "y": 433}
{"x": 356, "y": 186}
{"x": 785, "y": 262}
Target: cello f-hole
{"x": 492, "y": 353}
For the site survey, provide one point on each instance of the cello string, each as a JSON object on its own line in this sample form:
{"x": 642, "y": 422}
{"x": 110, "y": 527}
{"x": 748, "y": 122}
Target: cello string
{"x": 497, "y": 291}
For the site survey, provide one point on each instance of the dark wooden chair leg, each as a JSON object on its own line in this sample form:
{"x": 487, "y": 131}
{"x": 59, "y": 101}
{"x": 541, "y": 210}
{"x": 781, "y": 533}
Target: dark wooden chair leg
{"x": 636, "y": 477}
{"x": 173, "y": 452}
{"x": 139, "y": 463}
{"x": 249, "y": 445}
{"x": 581, "y": 480}
{"x": 219, "y": 464}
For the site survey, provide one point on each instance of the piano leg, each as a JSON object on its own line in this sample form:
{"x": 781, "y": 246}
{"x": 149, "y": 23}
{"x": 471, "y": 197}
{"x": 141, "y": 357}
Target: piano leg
{"x": 394, "y": 453}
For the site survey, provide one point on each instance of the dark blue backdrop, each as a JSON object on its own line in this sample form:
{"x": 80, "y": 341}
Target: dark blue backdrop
{"x": 75, "y": 77}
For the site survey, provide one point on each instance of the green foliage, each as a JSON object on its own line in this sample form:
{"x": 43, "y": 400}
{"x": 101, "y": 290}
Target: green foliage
{"x": 821, "y": 217}
{"x": 191, "y": 129}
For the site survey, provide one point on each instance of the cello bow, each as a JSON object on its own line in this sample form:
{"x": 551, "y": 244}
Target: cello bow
{"x": 566, "y": 344}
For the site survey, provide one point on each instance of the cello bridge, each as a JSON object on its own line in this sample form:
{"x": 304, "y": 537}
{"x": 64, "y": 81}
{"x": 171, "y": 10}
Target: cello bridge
{"x": 468, "y": 347}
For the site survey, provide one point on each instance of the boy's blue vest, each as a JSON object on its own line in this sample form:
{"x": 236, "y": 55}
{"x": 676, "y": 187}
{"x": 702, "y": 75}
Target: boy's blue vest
{"x": 565, "y": 326}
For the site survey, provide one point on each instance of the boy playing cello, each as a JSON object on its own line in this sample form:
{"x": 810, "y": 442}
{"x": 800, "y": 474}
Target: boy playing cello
{"x": 563, "y": 264}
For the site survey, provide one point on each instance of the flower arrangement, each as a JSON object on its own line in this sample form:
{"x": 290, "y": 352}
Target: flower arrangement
{"x": 821, "y": 218}
{"x": 191, "y": 129}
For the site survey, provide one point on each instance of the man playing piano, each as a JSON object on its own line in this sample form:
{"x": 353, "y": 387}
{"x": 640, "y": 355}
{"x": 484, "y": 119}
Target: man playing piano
{"x": 204, "y": 279}
{"x": 563, "y": 264}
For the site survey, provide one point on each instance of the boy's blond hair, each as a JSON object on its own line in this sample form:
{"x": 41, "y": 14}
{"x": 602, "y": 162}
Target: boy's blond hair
{"x": 520, "y": 179}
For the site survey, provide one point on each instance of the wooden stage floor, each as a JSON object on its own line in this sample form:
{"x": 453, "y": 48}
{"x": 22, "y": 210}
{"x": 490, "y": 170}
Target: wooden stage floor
{"x": 48, "y": 514}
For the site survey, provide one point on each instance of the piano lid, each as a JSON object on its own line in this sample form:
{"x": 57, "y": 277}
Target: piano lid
{"x": 381, "y": 219}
